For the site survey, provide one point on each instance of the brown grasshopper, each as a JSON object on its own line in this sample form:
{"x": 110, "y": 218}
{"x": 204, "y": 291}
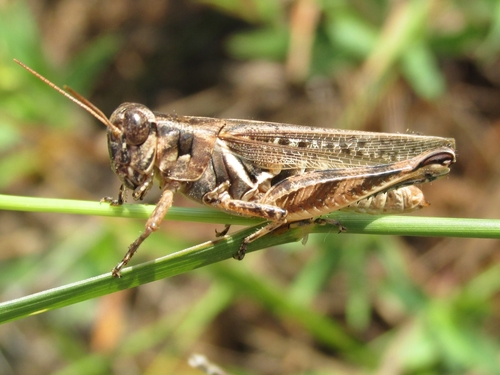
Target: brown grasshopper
{"x": 278, "y": 172}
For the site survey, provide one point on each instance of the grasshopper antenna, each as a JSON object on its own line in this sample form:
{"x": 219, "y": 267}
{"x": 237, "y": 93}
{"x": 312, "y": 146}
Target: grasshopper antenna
{"x": 76, "y": 98}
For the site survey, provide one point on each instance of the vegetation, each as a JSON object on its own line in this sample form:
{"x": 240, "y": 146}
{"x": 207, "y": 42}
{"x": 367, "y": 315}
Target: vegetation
{"x": 340, "y": 304}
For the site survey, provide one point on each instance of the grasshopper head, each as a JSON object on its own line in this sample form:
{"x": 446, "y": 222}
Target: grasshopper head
{"x": 131, "y": 138}
{"x": 132, "y": 146}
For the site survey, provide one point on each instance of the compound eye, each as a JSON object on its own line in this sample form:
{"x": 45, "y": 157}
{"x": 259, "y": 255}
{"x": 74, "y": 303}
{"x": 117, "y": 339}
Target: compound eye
{"x": 136, "y": 126}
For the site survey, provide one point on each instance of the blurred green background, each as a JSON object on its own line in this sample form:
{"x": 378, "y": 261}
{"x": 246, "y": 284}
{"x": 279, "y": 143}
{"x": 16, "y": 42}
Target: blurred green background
{"x": 402, "y": 305}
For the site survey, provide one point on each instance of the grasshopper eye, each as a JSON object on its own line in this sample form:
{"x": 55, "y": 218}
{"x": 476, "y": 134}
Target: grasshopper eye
{"x": 136, "y": 126}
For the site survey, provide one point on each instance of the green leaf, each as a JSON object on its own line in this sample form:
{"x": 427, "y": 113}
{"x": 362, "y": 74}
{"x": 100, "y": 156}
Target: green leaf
{"x": 422, "y": 71}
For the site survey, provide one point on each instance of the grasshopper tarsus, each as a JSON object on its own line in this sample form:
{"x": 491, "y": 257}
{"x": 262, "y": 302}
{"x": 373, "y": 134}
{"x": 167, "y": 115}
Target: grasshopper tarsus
{"x": 223, "y": 232}
{"x": 325, "y": 221}
{"x": 319, "y": 221}
{"x": 112, "y": 201}
{"x": 240, "y": 255}
{"x": 118, "y": 201}
{"x": 115, "y": 272}
{"x": 131, "y": 251}
{"x": 152, "y": 225}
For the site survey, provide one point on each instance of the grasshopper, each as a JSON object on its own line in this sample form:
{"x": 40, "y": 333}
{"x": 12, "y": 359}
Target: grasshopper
{"x": 278, "y": 172}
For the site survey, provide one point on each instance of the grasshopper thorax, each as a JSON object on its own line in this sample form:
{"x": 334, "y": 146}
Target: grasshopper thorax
{"x": 132, "y": 146}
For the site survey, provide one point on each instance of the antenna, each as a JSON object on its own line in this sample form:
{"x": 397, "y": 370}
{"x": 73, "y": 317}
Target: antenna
{"x": 76, "y": 98}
